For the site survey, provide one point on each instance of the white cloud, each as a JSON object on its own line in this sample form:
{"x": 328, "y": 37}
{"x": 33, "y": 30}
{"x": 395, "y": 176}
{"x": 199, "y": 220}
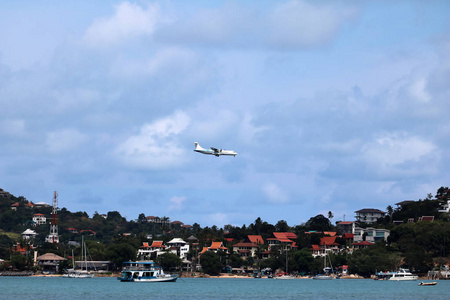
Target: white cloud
{"x": 393, "y": 149}
{"x": 155, "y": 146}
{"x": 417, "y": 90}
{"x": 176, "y": 203}
{"x": 129, "y": 20}
{"x": 65, "y": 140}
{"x": 293, "y": 24}
{"x": 298, "y": 23}
{"x": 275, "y": 194}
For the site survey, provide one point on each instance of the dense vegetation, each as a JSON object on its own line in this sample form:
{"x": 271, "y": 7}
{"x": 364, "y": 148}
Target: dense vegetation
{"x": 421, "y": 246}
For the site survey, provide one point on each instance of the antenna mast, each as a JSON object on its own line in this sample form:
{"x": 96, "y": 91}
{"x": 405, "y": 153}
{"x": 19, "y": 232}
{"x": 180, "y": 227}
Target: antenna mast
{"x": 53, "y": 236}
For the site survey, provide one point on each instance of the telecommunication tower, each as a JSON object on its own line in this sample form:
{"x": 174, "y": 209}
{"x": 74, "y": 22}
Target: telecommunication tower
{"x": 53, "y": 236}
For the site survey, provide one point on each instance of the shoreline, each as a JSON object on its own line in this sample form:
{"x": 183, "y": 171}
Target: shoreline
{"x": 189, "y": 275}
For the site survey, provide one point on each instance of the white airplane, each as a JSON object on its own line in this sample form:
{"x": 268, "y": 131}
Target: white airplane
{"x": 213, "y": 151}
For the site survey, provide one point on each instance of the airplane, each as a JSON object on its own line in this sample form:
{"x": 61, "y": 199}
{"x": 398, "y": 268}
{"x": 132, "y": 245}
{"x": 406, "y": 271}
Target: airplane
{"x": 213, "y": 151}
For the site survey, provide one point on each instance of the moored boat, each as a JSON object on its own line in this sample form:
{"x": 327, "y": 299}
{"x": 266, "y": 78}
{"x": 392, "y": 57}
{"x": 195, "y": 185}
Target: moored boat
{"x": 400, "y": 275}
{"x": 427, "y": 283}
{"x": 284, "y": 276}
{"x": 83, "y": 272}
{"x": 327, "y": 271}
{"x": 144, "y": 271}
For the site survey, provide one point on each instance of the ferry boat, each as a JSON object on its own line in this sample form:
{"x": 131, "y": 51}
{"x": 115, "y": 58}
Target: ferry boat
{"x": 144, "y": 271}
{"x": 400, "y": 275}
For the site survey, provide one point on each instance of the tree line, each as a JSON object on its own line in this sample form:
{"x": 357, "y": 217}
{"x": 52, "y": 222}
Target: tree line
{"x": 420, "y": 246}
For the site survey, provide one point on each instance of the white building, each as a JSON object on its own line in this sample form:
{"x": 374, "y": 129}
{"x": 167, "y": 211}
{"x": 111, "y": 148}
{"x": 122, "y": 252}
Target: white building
{"x": 179, "y": 247}
{"x": 445, "y": 207}
{"x": 39, "y": 219}
{"x": 369, "y": 215}
{"x": 145, "y": 251}
{"x": 28, "y": 234}
{"x": 372, "y": 234}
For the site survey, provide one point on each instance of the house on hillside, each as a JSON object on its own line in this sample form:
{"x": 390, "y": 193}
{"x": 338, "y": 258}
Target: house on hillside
{"x": 283, "y": 239}
{"x": 29, "y": 234}
{"x": 23, "y": 250}
{"x": 346, "y": 227}
{"x": 4, "y": 194}
{"x": 445, "y": 208}
{"x": 245, "y": 249}
{"x": 256, "y": 239}
{"x": 178, "y": 247}
{"x": 369, "y": 215}
{"x": 370, "y": 234}
{"x": 146, "y": 250}
{"x": 39, "y": 219}
{"x": 158, "y": 220}
{"x": 326, "y": 245}
{"x": 215, "y": 246}
{"x": 362, "y": 245}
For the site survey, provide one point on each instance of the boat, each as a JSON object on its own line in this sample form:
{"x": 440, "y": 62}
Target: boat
{"x": 83, "y": 272}
{"x": 144, "y": 271}
{"x": 400, "y": 275}
{"x": 286, "y": 274}
{"x": 427, "y": 283}
{"x": 327, "y": 271}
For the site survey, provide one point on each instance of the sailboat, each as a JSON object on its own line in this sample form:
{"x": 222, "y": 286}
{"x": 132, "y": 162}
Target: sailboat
{"x": 327, "y": 270}
{"x": 286, "y": 275}
{"x": 83, "y": 272}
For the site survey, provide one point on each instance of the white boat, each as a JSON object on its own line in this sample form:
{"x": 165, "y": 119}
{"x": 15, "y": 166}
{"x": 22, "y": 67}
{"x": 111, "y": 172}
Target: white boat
{"x": 427, "y": 283}
{"x": 144, "y": 271}
{"x": 400, "y": 275}
{"x": 403, "y": 274}
{"x": 83, "y": 272}
{"x": 284, "y": 276}
{"x": 327, "y": 271}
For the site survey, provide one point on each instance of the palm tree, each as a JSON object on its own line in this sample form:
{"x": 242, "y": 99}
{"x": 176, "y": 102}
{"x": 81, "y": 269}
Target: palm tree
{"x": 330, "y": 215}
{"x": 390, "y": 211}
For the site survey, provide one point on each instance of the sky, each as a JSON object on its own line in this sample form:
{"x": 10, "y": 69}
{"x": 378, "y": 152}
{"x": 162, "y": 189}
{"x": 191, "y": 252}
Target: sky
{"x": 331, "y": 106}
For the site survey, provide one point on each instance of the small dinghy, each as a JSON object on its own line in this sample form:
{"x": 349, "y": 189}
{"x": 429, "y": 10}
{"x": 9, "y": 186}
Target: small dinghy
{"x": 428, "y": 283}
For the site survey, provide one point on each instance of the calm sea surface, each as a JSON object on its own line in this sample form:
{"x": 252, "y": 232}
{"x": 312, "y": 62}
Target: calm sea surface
{"x": 216, "y": 288}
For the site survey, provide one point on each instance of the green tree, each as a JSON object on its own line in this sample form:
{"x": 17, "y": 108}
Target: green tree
{"x": 282, "y": 226}
{"x": 119, "y": 253}
{"x": 390, "y": 212}
{"x": 367, "y": 261}
{"x": 169, "y": 261}
{"x": 319, "y": 223}
{"x": 19, "y": 262}
{"x": 210, "y": 263}
{"x": 330, "y": 216}
{"x": 236, "y": 261}
{"x": 302, "y": 260}
{"x": 417, "y": 259}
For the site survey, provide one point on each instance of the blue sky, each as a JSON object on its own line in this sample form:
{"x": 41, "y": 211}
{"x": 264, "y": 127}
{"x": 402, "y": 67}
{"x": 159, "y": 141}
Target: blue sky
{"x": 331, "y": 106}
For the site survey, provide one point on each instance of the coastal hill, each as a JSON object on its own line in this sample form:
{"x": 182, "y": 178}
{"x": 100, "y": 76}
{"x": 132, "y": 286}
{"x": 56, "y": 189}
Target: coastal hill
{"x": 418, "y": 237}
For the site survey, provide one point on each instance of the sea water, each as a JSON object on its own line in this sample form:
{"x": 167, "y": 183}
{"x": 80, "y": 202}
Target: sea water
{"x": 217, "y": 288}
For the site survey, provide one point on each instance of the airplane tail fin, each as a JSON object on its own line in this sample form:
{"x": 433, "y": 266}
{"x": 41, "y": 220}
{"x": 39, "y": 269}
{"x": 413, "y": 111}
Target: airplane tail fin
{"x": 197, "y": 146}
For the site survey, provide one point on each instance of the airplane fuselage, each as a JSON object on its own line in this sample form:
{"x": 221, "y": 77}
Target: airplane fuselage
{"x": 213, "y": 151}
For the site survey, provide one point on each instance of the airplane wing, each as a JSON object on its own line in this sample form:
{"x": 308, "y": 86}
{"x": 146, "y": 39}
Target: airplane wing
{"x": 216, "y": 150}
